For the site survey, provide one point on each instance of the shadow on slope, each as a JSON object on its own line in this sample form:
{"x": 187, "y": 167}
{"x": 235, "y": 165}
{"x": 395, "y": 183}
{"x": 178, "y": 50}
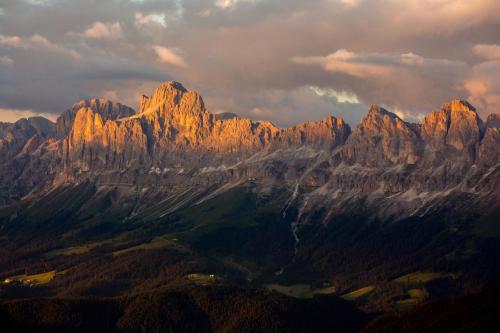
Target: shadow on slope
{"x": 189, "y": 309}
{"x": 475, "y": 312}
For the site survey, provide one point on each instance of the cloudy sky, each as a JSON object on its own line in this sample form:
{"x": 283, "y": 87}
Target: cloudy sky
{"x": 280, "y": 60}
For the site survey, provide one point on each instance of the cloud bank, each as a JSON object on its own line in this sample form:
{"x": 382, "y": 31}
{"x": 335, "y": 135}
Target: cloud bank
{"x": 281, "y": 60}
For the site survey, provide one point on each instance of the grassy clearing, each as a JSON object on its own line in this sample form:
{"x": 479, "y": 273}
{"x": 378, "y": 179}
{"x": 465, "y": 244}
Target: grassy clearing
{"x": 420, "y": 277}
{"x": 35, "y": 279}
{"x": 67, "y": 199}
{"x": 78, "y": 249}
{"x": 408, "y": 303}
{"x": 326, "y": 291}
{"x": 156, "y": 243}
{"x": 235, "y": 208}
{"x": 357, "y": 294}
{"x": 202, "y": 279}
{"x": 415, "y": 296}
{"x": 169, "y": 205}
{"x": 300, "y": 290}
{"x": 181, "y": 218}
{"x": 296, "y": 290}
{"x": 417, "y": 293}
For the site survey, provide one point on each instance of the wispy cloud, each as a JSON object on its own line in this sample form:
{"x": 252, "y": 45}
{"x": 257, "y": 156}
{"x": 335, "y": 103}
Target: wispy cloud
{"x": 347, "y": 62}
{"x": 350, "y": 3}
{"x": 341, "y": 96}
{"x": 228, "y": 4}
{"x": 6, "y": 61}
{"x": 104, "y": 30}
{"x": 483, "y": 86}
{"x": 37, "y": 41}
{"x": 142, "y": 20}
{"x": 371, "y": 64}
{"x": 409, "y": 116}
{"x": 170, "y": 56}
{"x": 40, "y": 2}
{"x": 488, "y": 51}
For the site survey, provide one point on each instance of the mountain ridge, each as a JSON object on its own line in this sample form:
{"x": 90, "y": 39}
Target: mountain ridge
{"x": 173, "y": 140}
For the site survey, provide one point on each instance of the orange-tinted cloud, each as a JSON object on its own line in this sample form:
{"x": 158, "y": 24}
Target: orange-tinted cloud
{"x": 169, "y": 56}
{"x": 488, "y": 51}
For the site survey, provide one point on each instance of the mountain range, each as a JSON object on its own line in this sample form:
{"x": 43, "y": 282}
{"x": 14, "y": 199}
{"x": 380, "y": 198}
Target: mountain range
{"x": 174, "y": 141}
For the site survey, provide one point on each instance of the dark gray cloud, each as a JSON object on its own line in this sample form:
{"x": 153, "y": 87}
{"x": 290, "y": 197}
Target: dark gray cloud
{"x": 280, "y": 60}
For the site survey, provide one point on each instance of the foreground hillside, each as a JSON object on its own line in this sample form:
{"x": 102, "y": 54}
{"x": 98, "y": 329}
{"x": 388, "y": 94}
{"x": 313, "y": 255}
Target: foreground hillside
{"x": 201, "y": 309}
{"x": 473, "y": 312}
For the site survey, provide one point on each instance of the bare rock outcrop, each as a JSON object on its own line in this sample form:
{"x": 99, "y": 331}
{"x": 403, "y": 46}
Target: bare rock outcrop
{"x": 174, "y": 120}
{"x": 96, "y": 144}
{"x": 105, "y": 108}
{"x": 382, "y": 138}
{"x": 493, "y": 120}
{"x": 457, "y": 126}
{"x": 13, "y": 137}
{"x": 18, "y": 143}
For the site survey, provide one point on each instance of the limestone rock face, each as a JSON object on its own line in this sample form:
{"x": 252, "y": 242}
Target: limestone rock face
{"x": 456, "y": 125}
{"x": 106, "y": 109}
{"x": 95, "y": 143}
{"x": 328, "y": 133}
{"x": 174, "y": 119}
{"x": 380, "y": 139}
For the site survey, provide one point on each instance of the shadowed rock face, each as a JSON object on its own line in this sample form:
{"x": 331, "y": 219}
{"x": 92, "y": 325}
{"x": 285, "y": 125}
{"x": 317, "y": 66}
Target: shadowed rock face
{"x": 15, "y": 137}
{"x": 21, "y": 142}
{"x": 382, "y": 138}
{"x": 493, "y": 121}
{"x": 173, "y": 143}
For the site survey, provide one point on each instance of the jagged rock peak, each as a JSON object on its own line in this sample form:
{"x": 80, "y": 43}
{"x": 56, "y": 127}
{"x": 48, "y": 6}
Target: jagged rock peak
{"x": 331, "y": 120}
{"x": 172, "y": 85}
{"x": 24, "y": 134}
{"x": 169, "y": 96}
{"x": 455, "y": 124}
{"x": 458, "y": 105}
{"x": 378, "y": 110}
{"x": 106, "y": 109}
{"x": 493, "y": 121}
{"x": 380, "y": 139}
{"x": 34, "y": 125}
{"x": 44, "y": 127}
{"x": 379, "y": 119}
